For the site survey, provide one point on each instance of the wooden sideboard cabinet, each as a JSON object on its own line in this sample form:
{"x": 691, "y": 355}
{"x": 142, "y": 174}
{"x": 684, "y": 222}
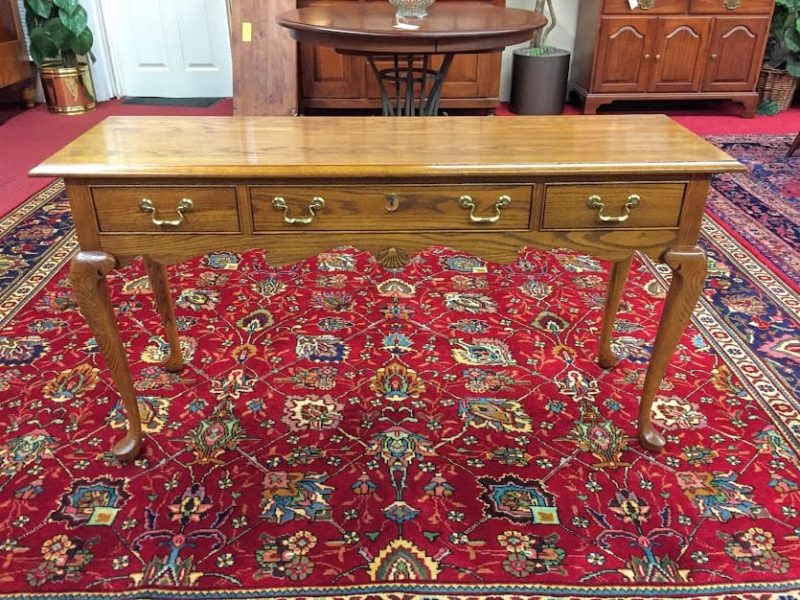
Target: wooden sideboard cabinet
{"x": 331, "y": 80}
{"x": 14, "y": 65}
{"x": 670, "y": 49}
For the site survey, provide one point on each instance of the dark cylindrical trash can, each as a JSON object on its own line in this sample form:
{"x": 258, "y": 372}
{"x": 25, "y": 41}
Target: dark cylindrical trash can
{"x": 539, "y": 81}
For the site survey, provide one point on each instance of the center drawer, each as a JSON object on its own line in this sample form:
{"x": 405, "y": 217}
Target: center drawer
{"x": 725, "y": 7}
{"x": 390, "y": 208}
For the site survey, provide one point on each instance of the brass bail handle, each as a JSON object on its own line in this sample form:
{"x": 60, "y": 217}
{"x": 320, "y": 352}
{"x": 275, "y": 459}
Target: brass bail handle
{"x": 597, "y": 202}
{"x": 467, "y": 202}
{"x": 647, "y": 4}
{"x": 317, "y": 203}
{"x": 184, "y": 206}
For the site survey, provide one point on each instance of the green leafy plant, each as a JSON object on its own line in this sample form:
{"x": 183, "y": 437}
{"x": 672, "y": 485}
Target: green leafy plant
{"x": 58, "y": 31}
{"x": 783, "y": 45}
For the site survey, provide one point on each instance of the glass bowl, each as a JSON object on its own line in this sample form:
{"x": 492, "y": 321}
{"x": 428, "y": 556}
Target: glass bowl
{"x": 411, "y": 9}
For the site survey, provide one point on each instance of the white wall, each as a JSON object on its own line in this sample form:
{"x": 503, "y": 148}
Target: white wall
{"x": 102, "y": 70}
{"x": 563, "y": 36}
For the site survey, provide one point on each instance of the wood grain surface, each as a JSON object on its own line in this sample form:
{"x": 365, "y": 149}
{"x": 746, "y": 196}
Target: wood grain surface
{"x": 265, "y": 65}
{"x": 357, "y": 147}
{"x": 449, "y": 27}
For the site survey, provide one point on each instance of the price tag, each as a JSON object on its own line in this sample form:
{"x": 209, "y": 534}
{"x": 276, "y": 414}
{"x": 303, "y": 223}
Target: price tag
{"x": 247, "y": 32}
{"x": 634, "y": 4}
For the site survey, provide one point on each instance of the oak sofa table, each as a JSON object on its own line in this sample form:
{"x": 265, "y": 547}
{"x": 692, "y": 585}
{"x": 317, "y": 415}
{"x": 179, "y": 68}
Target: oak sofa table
{"x": 411, "y": 85}
{"x": 172, "y": 188}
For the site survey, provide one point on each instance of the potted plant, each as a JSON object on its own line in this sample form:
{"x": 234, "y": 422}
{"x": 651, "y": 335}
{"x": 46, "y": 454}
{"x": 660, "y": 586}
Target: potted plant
{"x": 780, "y": 72}
{"x": 540, "y": 72}
{"x": 59, "y": 36}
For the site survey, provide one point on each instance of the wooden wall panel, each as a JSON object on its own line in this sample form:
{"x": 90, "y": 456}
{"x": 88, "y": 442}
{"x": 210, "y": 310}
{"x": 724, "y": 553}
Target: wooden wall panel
{"x": 264, "y": 61}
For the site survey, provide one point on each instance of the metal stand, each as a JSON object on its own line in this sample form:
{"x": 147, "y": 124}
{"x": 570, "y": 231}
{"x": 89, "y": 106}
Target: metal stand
{"x": 411, "y": 73}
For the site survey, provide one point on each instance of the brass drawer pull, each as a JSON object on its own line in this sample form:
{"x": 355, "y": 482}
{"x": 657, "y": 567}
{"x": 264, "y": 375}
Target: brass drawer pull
{"x": 733, "y": 4}
{"x": 467, "y": 202}
{"x": 279, "y": 203}
{"x": 647, "y": 4}
{"x": 597, "y": 202}
{"x": 184, "y": 206}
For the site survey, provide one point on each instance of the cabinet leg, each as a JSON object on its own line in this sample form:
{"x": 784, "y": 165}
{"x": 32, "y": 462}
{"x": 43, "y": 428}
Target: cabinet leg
{"x": 592, "y": 103}
{"x": 749, "y": 106}
{"x": 793, "y": 148}
{"x": 159, "y": 283}
{"x": 28, "y": 96}
{"x": 619, "y": 275}
{"x": 688, "y": 264}
{"x": 91, "y": 292}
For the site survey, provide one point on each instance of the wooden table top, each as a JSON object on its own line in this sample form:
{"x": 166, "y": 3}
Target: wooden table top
{"x": 449, "y": 27}
{"x": 353, "y": 147}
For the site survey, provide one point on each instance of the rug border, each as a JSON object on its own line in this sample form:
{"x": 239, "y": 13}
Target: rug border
{"x": 423, "y": 590}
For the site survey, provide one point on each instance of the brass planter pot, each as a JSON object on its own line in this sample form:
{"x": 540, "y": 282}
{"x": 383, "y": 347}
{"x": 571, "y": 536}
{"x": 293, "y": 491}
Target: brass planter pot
{"x": 67, "y": 90}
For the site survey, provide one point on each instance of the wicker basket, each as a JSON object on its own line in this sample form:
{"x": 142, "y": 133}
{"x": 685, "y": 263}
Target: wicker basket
{"x": 777, "y": 85}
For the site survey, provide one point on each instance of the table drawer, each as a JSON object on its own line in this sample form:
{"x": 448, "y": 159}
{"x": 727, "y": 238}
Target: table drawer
{"x": 119, "y": 209}
{"x": 578, "y": 206}
{"x": 390, "y": 208}
{"x": 727, "y": 7}
{"x": 622, "y": 7}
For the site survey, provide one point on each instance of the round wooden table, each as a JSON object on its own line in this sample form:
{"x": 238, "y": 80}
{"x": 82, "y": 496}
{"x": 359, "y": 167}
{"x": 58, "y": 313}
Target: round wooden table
{"x": 372, "y": 29}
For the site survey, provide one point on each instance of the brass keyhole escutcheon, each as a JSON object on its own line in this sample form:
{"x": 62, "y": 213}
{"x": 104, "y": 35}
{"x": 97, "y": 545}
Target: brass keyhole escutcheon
{"x": 647, "y": 4}
{"x": 733, "y": 4}
{"x": 392, "y": 202}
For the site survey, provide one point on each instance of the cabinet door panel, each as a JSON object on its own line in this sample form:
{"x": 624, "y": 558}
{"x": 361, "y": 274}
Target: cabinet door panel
{"x": 680, "y": 49}
{"x": 14, "y": 66}
{"x": 328, "y": 74}
{"x": 734, "y": 58}
{"x": 623, "y": 54}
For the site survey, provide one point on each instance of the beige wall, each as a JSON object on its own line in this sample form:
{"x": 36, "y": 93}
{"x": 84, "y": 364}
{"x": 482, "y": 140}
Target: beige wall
{"x": 563, "y": 36}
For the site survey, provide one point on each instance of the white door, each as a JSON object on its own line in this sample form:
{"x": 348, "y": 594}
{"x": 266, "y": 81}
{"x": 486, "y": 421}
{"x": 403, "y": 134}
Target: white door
{"x": 170, "y": 48}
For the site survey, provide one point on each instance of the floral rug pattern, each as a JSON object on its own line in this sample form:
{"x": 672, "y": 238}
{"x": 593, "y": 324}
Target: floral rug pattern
{"x": 441, "y": 431}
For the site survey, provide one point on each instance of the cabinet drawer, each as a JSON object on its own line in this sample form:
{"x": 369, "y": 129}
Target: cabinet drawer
{"x": 566, "y": 206}
{"x": 210, "y": 209}
{"x": 389, "y": 208}
{"x": 727, "y": 7}
{"x": 621, "y": 7}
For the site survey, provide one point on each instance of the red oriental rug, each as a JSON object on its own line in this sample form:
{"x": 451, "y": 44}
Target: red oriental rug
{"x": 438, "y": 432}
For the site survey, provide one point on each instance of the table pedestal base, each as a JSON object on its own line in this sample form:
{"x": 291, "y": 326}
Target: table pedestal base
{"x": 415, "y": 85}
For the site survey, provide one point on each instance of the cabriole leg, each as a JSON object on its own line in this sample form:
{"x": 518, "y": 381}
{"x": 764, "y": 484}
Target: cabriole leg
{"x": 159, "y": 283}
{"x": 619, "y": 275}
{"x": 91, "y": 292}
{"x": 688, "y": 264}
